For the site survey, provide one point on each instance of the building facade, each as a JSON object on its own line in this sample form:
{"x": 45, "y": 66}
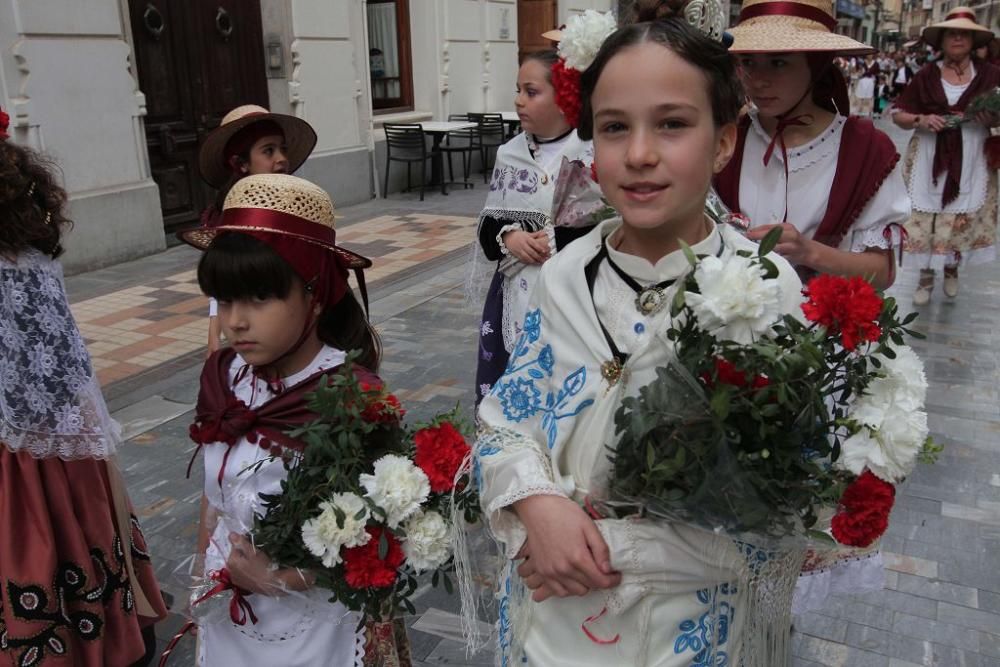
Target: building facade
{"x": 120, "y": 92}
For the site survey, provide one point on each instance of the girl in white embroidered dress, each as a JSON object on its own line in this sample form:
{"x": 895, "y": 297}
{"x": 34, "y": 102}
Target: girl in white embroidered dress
{"x": 661, "y": 102}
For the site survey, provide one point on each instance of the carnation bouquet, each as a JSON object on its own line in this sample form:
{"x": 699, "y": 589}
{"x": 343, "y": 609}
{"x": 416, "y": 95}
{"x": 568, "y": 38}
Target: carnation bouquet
{"x": 764, "y": 420}
{"x": 365, "y": 508}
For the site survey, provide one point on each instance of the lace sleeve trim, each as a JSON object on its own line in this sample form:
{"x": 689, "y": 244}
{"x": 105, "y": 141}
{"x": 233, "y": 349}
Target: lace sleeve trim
{"x": 503, "y": 230}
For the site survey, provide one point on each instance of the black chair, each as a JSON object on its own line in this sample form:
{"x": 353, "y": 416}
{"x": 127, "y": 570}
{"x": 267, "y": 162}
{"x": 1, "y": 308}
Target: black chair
{"x": 462, "y": 142}
{"x": 489, "y": 137}
{"x": 405, "y": 142}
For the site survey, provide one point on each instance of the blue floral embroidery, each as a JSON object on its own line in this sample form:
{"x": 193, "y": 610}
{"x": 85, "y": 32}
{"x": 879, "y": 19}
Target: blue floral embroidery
{"x": 477, "y": 471}
{"x": 755, "y": 557}
{"x": 519, "y": 397}
{"x": 507, "y": 179}
{"x": 706, "y": 635}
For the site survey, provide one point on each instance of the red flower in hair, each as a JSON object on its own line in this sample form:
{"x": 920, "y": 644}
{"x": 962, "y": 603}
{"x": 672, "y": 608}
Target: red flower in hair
{"x": 4, "y": 124}
{"x": 566, "y": 82}
{"x": 864, "y": 511}
{"x": 848, "y": 306}
{"x": 440, "y": 452}
{"x": 364, "y": 569}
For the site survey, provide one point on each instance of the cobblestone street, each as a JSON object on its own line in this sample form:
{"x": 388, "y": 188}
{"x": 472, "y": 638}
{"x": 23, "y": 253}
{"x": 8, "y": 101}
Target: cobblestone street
{"x": 146, "y": 324}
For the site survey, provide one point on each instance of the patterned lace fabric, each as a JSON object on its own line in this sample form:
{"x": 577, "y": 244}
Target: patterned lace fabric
{"x": 50, "y": 401}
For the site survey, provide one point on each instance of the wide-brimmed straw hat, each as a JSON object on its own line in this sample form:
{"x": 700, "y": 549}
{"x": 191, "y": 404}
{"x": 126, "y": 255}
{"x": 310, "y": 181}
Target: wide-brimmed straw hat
{"x": 278, "y": 204}
{"x": 788, "y": 26}
{"x": 960, "y": 18}
{"x": 300, "y": 140}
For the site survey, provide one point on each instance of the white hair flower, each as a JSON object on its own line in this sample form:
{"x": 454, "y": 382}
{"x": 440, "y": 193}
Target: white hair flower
{"x": 582, "y": 37}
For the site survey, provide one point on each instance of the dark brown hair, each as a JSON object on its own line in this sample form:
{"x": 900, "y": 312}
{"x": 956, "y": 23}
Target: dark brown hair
{"x": 31, "y": 202}
{"x": 662, "y": 22}
{"x": 238, "y": 266}
{"x": 548, "y": 58}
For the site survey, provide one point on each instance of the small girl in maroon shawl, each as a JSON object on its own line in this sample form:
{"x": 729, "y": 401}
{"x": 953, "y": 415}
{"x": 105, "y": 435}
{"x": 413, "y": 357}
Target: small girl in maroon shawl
{"x": 953, "y": 189}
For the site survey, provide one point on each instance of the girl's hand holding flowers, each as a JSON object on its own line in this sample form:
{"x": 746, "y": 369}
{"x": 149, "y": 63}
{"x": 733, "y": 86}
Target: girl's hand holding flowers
{"x": 252, "y": 570}
{"x": 792, "y": 245}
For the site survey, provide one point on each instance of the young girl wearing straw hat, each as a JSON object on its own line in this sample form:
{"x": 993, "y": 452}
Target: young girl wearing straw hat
{"x": 281, "y": 280}
{"x": 954, "y": 191}
{"x": 830, "y": 180}
{"x": 801, "y": 162}
{"x": 250, "y": 140}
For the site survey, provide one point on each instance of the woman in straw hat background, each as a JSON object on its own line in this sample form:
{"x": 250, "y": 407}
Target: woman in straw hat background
{"x": 829, "y": 180}
{"x": 841, "y": 199}
{"x": 281, "y": 281}
{"x": 954, "y": 192}
{"x": 249, "y": 140}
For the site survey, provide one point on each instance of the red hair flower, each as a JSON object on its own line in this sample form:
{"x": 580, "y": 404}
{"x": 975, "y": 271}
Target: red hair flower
{"x": 566, "y": 82}
{"x": 593, "y": 172}
{"x": 440, "y": 452}
{"x": 848, "y": 306}
{"x": 864, "y": 511}
{"x": 364, "y": 569}
{"x": 4, "y": 124}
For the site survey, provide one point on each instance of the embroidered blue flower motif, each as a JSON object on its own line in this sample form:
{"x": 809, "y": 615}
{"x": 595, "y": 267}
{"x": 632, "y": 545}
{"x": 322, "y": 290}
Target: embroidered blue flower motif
{"x": 525, "y": 181}
{"x": 705, "y": 636}
{"x": 556, "y": 404}
{"x": 477, "y": 470}
{"x": 520, "y": 398}
{"x": 497, "y": 181}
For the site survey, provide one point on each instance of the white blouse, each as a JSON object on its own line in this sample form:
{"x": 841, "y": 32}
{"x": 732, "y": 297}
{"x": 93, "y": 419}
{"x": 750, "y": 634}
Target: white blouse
{"x": 764, "y": 192}
{"x": 975, "y": 173}
{"x": 299, "y": 629}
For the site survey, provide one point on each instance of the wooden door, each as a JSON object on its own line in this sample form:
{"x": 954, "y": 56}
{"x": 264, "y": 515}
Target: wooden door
{"x": 195, "y": 60}
{"x": 533, "y": 18}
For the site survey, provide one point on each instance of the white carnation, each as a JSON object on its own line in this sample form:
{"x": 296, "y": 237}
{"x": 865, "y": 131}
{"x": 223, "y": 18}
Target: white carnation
{"x": 324, "y": 538}
{"x": 737, "y": 302}
{"x": 893, "y": 422}
{"x": 398, "y": 487}
{"x": 427, "y": 545}
{"x": 582, "y": 37}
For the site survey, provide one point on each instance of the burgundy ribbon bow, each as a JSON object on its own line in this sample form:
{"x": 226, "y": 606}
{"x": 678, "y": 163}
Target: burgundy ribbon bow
{"x": 239, "y": 607}
{"x": 779, "y": 138}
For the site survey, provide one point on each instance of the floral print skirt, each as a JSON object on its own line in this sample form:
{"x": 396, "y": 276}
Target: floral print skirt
{"x": 67, "y": 595}
{"x": 945, "y": 239}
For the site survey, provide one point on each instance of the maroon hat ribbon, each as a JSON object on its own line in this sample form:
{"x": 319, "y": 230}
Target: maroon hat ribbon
{"x": 308, "y": 247}
{"x": 795, "y": 9}
{"x": 961, "y": 15}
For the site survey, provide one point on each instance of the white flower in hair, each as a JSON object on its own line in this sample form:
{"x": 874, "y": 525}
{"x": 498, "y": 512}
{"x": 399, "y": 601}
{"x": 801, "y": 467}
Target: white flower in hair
{"x": 428, "y": 542}
{"x": 582, "y": 37}
{"x": 322, "y": 535}
{"x": 398, "y": 487}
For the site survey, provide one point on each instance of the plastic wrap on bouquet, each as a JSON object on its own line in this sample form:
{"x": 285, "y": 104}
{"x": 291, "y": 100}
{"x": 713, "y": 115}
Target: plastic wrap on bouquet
{"x": 577, "y": 200}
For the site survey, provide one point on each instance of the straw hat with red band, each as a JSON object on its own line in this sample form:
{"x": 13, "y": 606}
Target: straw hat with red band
{"x": 787, "y": 26}
{"x": 960, "y": 18}
{"x": 240, "y": 129}
{"x": 295, "y": 218}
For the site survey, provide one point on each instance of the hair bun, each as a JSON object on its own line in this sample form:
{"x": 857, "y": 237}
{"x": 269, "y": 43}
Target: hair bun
{"x": 652, "y": 10}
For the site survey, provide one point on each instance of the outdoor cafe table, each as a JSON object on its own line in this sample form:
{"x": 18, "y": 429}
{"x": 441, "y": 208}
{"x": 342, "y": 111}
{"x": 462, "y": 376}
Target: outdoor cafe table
{"x": 438, "y": 129}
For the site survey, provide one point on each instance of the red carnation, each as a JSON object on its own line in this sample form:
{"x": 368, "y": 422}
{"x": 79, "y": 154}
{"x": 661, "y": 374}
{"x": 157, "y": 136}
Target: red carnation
{"x": 382, "y": 408}
{"x": 566, "y": 82}
{"x": 364, "y": 569}
{"x": 864, "y": 511}
{"x": 727, "y": 373}
{"x": 440, "y": 452}
{"x": 4, "y": 124}
{"x": 848, "y": 306}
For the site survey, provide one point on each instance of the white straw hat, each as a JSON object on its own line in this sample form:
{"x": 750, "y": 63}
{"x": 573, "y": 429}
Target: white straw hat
{"x": 960, "y": 18}
{"x": 278, "y": 204}
{"x": 300, "y": 139}
{"x": 789, "y": 26}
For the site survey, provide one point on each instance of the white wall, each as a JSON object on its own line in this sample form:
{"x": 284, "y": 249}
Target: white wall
{"x": 65, "y": 78}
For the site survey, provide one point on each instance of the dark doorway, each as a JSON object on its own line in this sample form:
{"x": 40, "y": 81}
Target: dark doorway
{"x": 195, "y": 60}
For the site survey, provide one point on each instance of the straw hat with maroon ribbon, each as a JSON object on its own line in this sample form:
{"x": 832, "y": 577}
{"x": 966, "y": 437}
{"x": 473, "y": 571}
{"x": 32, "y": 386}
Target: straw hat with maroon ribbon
{"x": 295, "y": 218}
{"x": 240, "y": 129}
{"x": 960, "y": 18}
{"x": 770, "y": 26}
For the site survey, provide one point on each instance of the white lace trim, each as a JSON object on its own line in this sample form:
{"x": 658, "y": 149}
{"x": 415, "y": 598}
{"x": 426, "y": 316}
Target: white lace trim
{"x": 503, "y": 230}
{"x": 802, "y": 157}
{"x": 50, "y": 401}
{"x": 863, "y": 239}
{"x": 359, "y": 648}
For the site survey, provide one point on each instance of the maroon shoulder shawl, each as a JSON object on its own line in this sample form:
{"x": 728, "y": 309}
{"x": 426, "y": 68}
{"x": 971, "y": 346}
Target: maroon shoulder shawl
{"x": 867, "y": 157}
{"x": 221, "y": 417}
{"x": 925, "y": 95}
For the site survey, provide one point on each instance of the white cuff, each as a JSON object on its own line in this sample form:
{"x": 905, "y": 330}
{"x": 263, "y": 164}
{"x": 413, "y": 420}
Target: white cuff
{"x": 504, "y": 230}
